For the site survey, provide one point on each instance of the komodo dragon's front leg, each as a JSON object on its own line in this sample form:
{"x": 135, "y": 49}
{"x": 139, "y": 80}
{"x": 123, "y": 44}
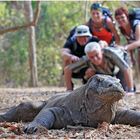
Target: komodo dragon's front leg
{"x": 47, "y": 117}
{"x": 130, "y": 117}
{"x": 24, "y": 111}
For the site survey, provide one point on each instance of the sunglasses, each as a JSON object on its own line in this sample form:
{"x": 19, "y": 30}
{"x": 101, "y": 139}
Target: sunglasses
{"x": 121, "y": 17}
{"x": 81, "y": 32}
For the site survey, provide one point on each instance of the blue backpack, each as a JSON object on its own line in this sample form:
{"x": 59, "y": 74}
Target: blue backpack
{"x": 134, "y": 16}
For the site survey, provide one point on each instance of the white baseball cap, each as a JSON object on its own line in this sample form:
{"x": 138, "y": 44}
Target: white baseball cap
{"x": 82, "y": 30}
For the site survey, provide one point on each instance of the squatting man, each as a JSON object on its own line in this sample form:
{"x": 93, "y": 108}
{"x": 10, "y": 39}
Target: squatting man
{"x": 110, "y": 61}
{"x": 73, "y": 51}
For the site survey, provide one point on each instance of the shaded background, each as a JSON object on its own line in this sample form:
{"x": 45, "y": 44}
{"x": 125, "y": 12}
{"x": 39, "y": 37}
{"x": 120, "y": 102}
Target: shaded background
{"x": 55, "y": 21}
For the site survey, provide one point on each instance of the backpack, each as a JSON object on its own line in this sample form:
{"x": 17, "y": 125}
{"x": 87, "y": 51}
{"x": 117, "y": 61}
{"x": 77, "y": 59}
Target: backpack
{"x": 134, "y": 15}
{"x": 107, "y": 13}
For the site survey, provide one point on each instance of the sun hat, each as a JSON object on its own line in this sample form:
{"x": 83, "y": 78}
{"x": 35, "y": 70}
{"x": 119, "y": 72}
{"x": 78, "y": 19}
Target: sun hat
{"x": 82, "y": 30}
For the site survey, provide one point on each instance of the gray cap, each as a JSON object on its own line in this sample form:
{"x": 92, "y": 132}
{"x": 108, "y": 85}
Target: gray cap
{"x": 82, "y": 30}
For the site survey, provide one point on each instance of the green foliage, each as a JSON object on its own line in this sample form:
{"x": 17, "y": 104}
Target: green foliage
{"x": 55, "y": 21}
{"x": 14, "y": 61}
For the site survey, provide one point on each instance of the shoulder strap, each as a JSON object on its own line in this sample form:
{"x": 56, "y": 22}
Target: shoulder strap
{"x": 73, "y": 42}
{"x": 89, "y": 24}
{"x": 75, "y": 45}
{"x": 105, "y": 24}
{"x": 133, "y": 24}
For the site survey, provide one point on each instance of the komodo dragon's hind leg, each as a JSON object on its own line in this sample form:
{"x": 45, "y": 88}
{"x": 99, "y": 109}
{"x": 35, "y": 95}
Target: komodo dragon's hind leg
{"x": 130, "y": 117}
{"x": 24, "y": 111}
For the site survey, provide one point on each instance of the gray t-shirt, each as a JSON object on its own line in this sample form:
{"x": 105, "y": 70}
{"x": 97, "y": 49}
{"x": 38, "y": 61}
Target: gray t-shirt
{"x": 113, "y": 58}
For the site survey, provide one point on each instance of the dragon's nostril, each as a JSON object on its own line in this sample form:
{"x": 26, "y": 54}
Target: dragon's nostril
{"x": 110, "y": 85}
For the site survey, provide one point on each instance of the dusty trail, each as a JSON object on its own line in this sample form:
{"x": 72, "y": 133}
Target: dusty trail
{"x": 10, "y": 97}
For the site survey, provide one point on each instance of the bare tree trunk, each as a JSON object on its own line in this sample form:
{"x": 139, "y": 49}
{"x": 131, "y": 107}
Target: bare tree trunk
{"x": 86, "y": 11}
{"x": 32, "y": 45}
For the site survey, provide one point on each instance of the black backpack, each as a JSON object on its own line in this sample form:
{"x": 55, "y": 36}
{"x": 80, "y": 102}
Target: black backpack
{"x": 134, "y": 15}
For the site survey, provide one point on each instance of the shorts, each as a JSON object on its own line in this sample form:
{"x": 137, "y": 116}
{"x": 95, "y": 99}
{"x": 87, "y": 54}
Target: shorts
{"x": 79, "y": 74}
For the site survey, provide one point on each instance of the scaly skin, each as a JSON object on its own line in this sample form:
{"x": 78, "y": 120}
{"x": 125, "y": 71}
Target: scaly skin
{"x": 89, "y": 105}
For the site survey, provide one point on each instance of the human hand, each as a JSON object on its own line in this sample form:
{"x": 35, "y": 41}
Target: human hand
{"x": 103, "y": 44}
{"x": 89, "y": 73}
{"x": 74, "y": 58}
{"x": 121, "y": 47}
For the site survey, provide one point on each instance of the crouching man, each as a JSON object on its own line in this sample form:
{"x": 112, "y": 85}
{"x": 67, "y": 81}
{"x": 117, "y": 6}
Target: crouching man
{"x": 73, "y": 51}
{"x": 109, "y": 61}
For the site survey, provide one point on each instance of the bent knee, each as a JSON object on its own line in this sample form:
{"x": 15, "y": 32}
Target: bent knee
{"x": 32, "y": 105}
{"x": 25, "y": 105}
{"x": 67, "y": 69}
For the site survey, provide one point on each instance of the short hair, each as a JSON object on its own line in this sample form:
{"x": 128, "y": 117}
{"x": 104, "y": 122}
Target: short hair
{"x": 92, "y": 46}
{"x": 121, "y": 11}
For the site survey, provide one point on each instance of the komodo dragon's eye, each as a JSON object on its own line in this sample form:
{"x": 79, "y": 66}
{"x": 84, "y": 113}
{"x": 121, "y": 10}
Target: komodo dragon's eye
{"x": 110, "y": 85}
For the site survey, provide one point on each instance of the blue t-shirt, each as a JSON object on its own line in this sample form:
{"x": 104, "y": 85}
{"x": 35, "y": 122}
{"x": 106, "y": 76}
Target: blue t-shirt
{"x": 75, "y": 48}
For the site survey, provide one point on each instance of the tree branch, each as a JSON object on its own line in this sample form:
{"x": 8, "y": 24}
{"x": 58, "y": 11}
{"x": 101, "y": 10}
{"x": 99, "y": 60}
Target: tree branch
{"x": 37, "y": 13}
{"x": 26, "y": 25}
{"x": 13, "y": 29}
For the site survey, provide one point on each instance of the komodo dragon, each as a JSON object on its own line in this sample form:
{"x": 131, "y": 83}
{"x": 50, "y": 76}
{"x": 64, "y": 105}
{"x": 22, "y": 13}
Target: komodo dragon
{"x": 89, "y": 105}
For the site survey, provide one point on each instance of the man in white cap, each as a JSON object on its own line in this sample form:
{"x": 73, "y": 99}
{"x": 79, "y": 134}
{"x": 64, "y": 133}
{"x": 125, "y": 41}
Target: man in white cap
{"x": 73, "y": 51}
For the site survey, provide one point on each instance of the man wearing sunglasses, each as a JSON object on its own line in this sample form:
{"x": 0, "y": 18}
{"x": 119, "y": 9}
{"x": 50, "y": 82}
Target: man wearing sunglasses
{"x": 73, "y": 51}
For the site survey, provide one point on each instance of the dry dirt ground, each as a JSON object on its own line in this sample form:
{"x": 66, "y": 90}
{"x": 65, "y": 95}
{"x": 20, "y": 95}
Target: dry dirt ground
{"x": 10, "y": 97}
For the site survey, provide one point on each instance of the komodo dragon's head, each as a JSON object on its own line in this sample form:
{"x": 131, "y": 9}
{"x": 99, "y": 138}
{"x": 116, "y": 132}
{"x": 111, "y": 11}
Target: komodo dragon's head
{"x": 101, "y": 96}
{"x": 104, "y": 87}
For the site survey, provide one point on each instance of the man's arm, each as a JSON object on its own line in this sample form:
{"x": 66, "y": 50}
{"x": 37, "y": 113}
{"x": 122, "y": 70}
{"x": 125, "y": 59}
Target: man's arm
{"x": 77, "y": 66}
{"x": 123, "y": 66}
{"x": 66, "y": 54}
{"x": 129, "y": 79}
{"x": 68, "y": 57}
